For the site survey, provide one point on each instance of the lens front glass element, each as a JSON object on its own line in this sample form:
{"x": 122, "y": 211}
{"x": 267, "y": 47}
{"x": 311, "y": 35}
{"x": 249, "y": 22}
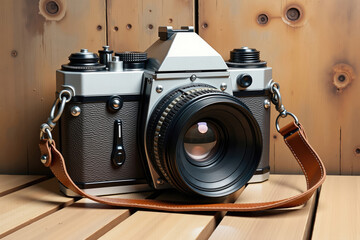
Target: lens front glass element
{"x": 201, "y": 141}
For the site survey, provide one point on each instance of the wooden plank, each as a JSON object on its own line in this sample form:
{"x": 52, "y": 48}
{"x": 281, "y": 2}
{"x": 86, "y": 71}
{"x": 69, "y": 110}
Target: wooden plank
{"x": 303, "y": 56}
{"x": 33, "y": 47}
{"x": 159, "y": 225}
{"x": 84, "y": 219}
{"x": 338, "y": 212}
{"x": 25, "y": 206}
{"x": 12, "y": 183}
{"x": 279, "y": 224}
{"x": 162, "y": 225}
{"x": 133, "y": 25}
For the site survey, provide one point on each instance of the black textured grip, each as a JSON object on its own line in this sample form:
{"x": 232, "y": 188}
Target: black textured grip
{"x": 262, "y": 116}
{"x": 87, "y": 143}
{"x": 132, "y": 56}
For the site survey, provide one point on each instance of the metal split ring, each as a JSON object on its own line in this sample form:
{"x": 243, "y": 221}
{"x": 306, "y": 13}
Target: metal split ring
{"x": 67, "y": 92}
{"x": 277, "y": 100}
{"x": 284, "y": 114}
{"x": 274, "y": 85}
{"x": 54, "y": 118}
{"x": 276, "y": 97}
{"x": 59, "y": 105}
{"x": 45, "y": 129}
{"x": 70, "y": 88}
{"x": 62, "y": 99}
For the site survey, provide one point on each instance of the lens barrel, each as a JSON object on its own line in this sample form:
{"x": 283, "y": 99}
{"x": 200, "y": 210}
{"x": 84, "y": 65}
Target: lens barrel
{"x": 233, "y": 141}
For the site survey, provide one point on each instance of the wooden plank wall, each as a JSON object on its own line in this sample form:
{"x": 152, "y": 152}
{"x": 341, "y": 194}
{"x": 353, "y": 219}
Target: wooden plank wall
{"x": 307, "y": 57}
{"x": 133, "y": 25}
{"x": 34, "y": 46}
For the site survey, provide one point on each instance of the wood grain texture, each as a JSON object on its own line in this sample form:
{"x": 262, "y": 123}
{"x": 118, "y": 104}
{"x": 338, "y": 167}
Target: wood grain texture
{"x": 158, "y": 225}
{"x": 161, "y": 225}
{"x": 12, "y": 183}
{"x": 133, "y": 25}
{"x": 25, "y": 206}
{"x": 84, "y": 219}
{"x": 278, "y": 224}
{"x": 32, "y": 48}
{"x": 302, "y": 56}
{"x": 35, "y": 213}
{"x": 338, "y": 213}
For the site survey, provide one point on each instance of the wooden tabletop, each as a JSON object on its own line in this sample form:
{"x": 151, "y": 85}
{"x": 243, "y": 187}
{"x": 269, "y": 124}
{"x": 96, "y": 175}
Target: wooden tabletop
{"x": 31, "y": 207}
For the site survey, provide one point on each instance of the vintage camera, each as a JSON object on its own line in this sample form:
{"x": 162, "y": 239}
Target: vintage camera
{"x": 176, "y": 116}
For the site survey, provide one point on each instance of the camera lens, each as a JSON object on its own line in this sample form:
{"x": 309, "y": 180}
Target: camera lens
{"x": 203, "y": 141}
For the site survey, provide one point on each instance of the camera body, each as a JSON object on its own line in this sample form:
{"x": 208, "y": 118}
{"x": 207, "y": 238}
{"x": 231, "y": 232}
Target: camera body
{"x": 179, "y": 116}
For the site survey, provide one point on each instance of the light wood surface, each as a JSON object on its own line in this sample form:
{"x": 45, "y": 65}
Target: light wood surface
{"x": 338, "y": 213}
{"x": 158, "y": 225}
{"x": 12, "y": 183}
{"x": 28, "y": 79}
{"x": 161, "y": 225}
{"x": 275, "y": 224}
{"x": 27, "y": 205}
{"x": 303, "y": 56}
{"x": 137, "y": 21}
{"x": 84, "y": 219}
{"x": 41, "y": 212}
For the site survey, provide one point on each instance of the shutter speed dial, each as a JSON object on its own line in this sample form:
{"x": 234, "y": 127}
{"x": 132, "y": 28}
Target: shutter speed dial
{"x": 132, "y": 60}
{"x": 83, "y": 61}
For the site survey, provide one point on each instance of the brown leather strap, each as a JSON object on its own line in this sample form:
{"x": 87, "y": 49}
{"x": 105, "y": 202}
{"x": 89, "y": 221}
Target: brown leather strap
{"x": 294, "y": 137}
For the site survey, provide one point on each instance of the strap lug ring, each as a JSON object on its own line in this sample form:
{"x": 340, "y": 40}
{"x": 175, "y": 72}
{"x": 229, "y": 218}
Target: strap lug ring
{"x": 284, "y": 115}
{"x": 60, "y": 110}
